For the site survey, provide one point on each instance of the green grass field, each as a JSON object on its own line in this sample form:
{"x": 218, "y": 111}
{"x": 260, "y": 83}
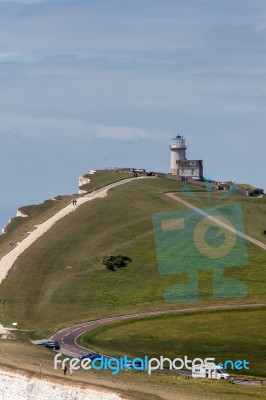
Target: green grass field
{"x": 64, "y": 267}
{"x": 20, "y": 227}
{"x": 224, "y": 335}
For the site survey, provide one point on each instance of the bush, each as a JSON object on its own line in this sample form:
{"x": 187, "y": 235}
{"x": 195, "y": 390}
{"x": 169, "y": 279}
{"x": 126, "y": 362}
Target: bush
{"x": 113, "y": 262}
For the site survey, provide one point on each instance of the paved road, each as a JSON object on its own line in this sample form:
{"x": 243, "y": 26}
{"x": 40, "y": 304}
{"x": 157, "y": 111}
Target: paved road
{"x": 68, "y": 336}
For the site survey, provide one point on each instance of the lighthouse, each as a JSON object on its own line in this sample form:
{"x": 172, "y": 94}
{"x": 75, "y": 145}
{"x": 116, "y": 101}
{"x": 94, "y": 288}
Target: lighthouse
{"x": 178, "y": 153}
{"x": 180, "y": 165}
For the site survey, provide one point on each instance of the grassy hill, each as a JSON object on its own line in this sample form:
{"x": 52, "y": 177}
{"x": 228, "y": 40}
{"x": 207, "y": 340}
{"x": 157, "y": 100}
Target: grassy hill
{"x": 119, "y": 223}
{"x": 20, "y": 227}
{"x": 60, "y": 280}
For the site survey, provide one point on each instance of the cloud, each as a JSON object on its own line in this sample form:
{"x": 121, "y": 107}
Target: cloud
{"x": 8, "y": 56}
{"x": 48, "y": 128}
{"x": 76, "y": 57}
{"x": 124, "y": 133}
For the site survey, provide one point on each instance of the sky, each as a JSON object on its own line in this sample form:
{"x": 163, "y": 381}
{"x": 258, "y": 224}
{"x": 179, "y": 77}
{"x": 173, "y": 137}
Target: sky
{"x": 89, "y": 84}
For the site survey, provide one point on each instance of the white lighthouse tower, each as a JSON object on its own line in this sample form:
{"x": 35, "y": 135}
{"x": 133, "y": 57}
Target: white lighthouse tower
{"x": 178, "y": 153}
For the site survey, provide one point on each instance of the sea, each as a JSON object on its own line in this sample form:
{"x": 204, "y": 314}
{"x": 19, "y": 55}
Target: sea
{"x": 7, "y": 211}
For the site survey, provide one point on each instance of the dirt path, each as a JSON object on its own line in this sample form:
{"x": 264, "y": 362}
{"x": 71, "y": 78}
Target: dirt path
{"x": 217, "y": 221}
{"x": 9, "y": 259}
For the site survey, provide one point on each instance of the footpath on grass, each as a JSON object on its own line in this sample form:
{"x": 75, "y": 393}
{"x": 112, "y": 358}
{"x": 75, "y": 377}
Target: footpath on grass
{"x": 9, "y": 259}
{"x": 217, "y": 221}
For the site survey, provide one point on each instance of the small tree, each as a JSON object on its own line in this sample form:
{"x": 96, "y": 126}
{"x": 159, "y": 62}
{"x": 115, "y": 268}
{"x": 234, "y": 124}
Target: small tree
{"x": 113, "y": 262}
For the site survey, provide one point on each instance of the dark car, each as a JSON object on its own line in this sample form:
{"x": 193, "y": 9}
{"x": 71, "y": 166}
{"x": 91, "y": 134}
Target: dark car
{"x": 92, "y": 356}
{"x": 51, "y": 344}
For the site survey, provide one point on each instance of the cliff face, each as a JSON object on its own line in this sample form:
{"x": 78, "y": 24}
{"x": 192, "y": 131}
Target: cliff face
{"x": 18, "y": 214}
{"x": 4, "y": 229}
{"x": 15, "y": 386}
{"x": 83, "y": 180}
{"x": 21, "y": 214}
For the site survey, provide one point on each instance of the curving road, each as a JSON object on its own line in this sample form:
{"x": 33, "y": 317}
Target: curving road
{"x": 68, "y": 337}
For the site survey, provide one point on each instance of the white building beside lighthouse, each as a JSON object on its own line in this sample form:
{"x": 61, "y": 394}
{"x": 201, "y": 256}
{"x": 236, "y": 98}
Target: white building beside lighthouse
{"x": 180, "y": 165}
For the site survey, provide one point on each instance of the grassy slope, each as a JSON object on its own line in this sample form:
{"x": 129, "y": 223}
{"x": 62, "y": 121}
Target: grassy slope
{"x": 41, "y": 292}
{"x": 253, "y": 209}
{"x": 19, "y": 227}
{"x": 80, "y": 241}
{"x": 102, "y": 178}
{"x": 205, "y": 334}
{"x": 245, "y": 186}
{"x": 87, "y": 290}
